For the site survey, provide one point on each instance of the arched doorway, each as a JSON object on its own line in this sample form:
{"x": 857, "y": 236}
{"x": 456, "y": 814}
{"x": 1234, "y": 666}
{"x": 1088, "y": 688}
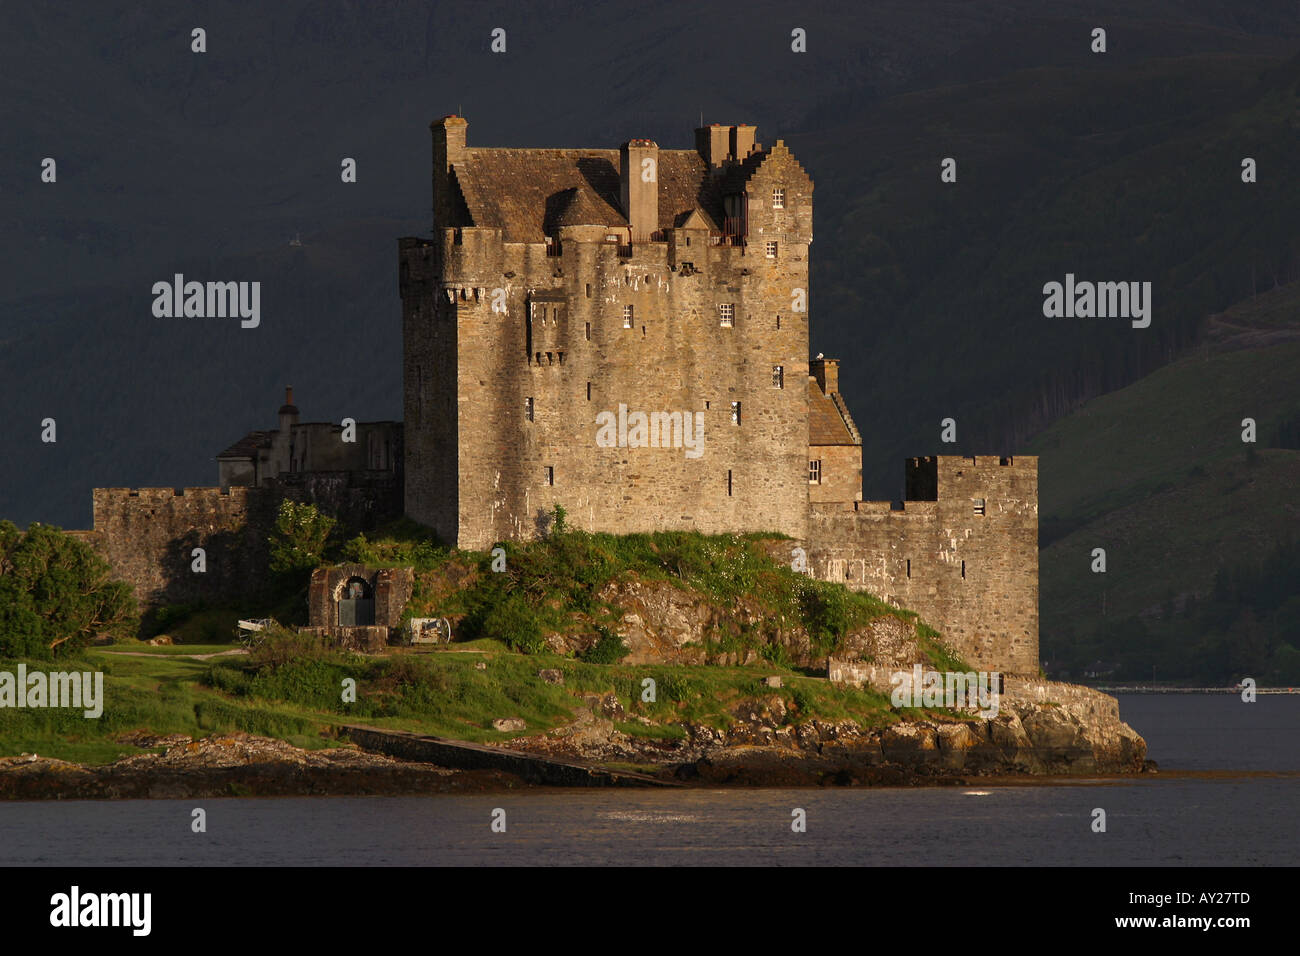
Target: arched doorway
{"x": 356, "y": 603}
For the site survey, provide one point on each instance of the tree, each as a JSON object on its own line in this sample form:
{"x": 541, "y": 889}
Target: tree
{"x": 56, "y": 592}
{"x": 300, "y": 535}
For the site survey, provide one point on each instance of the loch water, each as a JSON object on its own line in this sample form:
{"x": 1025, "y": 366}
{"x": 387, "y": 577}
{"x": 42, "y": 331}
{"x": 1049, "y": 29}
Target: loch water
{"x": 1228, "y": 794}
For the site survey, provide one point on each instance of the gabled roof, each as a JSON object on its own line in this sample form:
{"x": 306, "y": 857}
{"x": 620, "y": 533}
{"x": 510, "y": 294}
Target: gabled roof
{"x": 827, "y": 423}
{"x": 523, "y": 191}
{"x": 247, "y": 446}
{"x": 697, "y": 218}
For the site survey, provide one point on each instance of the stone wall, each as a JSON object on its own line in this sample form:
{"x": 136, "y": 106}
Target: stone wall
{"x": 148, "y": 535}
{"x": 841, "y": 478}
{"x": 973, "y": 576}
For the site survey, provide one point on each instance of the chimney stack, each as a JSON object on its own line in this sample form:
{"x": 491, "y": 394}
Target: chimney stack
{"x": 827, "y": 373}
{"x": 713, "y": 142}
{"x": 288, "y": 411}
{"x": 742, "y": 141}
{"x": 448, "y": 151}
{"x": 639, "y": 183}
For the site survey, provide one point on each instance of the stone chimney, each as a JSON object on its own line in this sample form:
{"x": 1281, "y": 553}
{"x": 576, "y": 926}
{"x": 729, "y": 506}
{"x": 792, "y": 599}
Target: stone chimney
{"x": 827, "y": 373}
{"x": 713, "y": 143}
{"x": 639, "y": 182}
{"x": 742, "y": 141}
{"x": 448, "y": 151}
{"x": 288, "y": 411}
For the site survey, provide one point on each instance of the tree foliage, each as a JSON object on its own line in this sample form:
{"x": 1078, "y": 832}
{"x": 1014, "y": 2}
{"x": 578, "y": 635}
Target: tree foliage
{"x": 56, "y": 592}
{"x": 301, "y": 532}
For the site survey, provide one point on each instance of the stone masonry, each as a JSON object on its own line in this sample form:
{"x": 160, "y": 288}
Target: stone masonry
{"x": 561, "y": 284}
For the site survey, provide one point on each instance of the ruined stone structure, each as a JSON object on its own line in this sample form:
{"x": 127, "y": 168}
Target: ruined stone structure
{"x": 358, "y": 607}
{"x": 624, "y": 332}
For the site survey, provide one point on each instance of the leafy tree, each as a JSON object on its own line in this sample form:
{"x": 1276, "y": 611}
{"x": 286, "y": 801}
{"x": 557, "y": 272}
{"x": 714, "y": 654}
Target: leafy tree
{"x": 55, "y": 591}
{"x": 299, "y": 539}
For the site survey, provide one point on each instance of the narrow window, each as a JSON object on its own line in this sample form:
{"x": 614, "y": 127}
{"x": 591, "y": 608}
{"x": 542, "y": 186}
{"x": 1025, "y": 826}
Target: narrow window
{"x": 963, "y": 569}
{"x": 909, "y": 567}
{"x": 778, "y": 198}
{"x": 588, "y": 331}
{"x": 771, "y": 249}
{"x": 627, "y": 317}
{"x": 727, "y": 314}
{"x": 561, "y": 355}
{"x": 728, "y": 482}
{"x": 979, "y": 506}
{"x": 778, "y": 322}
{"x": 643, "y": 331}
{"x": 706, "y": 404}
{"x": 588, "y": 391}
{"x": 550, "y": 474}
{"x": 778, "y": 376}
{"x": 735, "y": 413}
{"x": 528, "y": 408}
{"x": 815, "y": 471}
{"x": 588, "y": 290}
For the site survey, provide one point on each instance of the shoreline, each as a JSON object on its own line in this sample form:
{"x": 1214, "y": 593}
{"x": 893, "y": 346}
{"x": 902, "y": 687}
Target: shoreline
{"x": 465, "y": 783}
{"x": 241, "y": 765}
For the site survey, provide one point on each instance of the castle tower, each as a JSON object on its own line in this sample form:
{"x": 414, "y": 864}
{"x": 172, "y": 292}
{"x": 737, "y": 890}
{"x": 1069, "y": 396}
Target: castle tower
{"x": 661, "y": 292}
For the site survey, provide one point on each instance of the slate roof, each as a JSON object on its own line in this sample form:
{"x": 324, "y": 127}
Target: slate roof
{"x": 578, "y": 206}
{"x": 523, "y": 192}
{"x": 826, "y": 424}
{"x": 247, "y": 446}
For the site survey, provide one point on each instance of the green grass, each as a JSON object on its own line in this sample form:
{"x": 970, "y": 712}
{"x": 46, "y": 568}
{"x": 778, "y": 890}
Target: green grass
{"x": 440, "y": 693}
{"x": 551, "y": 587}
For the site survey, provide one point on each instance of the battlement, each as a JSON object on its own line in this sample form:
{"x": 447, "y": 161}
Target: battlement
{"x": 962, "y": 552}
{"x": 164, "y": 494}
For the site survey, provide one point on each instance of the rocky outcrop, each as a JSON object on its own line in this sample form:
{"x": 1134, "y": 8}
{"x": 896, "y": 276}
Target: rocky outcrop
{"x": 1040, "y": 728}
{"x": 225, "y": 765}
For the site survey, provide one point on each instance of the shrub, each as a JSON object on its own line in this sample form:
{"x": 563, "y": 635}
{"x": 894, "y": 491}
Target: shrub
{"x": 299, "y": 539}
{"x": 283, "y": 646}
{"x": 610, "y": 649}
{"x": 515, "y": 623}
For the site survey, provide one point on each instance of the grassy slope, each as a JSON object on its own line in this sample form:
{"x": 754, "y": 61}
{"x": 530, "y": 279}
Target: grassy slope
{"x": 1157, "y": 473}
{"x": 436, "y": 692}
{"x": 440, "y": 691}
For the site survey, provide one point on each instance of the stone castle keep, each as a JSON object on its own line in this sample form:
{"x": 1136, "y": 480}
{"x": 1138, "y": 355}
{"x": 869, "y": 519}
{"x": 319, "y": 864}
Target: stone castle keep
{"x": 624, "y": 332}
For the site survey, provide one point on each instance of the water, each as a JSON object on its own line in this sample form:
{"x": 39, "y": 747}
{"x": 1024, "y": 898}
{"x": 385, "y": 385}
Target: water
{"x": 1224, "y": 819}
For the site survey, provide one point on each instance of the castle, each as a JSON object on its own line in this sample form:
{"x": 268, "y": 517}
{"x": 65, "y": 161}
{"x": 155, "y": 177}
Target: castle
{"x": 566, "y": 286}
{"x": 624, "y": 333}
